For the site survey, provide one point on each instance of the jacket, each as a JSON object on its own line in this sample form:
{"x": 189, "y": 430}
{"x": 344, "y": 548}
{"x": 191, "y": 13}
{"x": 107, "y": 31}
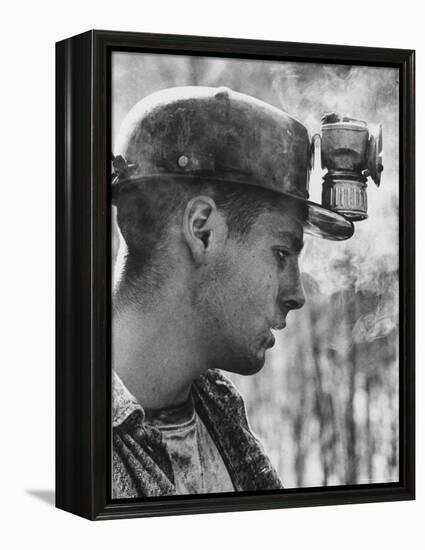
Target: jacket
{"x": 141, "y": 464}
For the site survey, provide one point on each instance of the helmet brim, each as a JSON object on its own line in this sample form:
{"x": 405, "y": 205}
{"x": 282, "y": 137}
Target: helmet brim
{"x": 325, "y": 223}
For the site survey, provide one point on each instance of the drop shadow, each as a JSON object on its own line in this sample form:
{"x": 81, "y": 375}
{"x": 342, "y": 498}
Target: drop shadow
{"x": 45, "y": 495}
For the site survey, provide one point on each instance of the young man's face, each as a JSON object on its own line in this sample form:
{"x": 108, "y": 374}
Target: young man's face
{"x": 256, "y": 283}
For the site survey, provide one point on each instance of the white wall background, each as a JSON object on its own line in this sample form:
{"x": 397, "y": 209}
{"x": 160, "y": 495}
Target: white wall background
{"x": 28, "y": 32}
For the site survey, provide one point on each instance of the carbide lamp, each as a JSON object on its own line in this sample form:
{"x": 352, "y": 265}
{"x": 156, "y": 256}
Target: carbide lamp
{"x": 350, "y": 152}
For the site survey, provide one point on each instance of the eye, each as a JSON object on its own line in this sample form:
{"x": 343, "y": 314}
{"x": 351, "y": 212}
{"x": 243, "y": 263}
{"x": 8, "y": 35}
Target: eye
{"x": 281, "y": 255}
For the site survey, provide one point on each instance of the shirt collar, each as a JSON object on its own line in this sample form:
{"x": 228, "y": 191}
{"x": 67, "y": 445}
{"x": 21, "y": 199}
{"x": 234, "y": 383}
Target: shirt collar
{"x": 123, "y": 402}
{"x": 176, "y": 416}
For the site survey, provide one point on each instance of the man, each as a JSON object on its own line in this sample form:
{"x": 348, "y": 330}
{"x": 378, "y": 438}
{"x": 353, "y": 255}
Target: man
{"x": 211, "y": 194}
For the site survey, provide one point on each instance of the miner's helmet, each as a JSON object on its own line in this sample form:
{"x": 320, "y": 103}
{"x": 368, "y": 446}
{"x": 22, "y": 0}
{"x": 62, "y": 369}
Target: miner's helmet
{"x": 200, "y": 133}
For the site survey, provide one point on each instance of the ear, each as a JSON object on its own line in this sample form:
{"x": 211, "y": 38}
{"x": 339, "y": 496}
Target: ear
{"x": 203, "y": 228}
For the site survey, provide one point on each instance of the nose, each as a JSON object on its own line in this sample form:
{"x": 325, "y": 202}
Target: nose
{"x": 292, "y": 293}
{"x": 296, "y": 303}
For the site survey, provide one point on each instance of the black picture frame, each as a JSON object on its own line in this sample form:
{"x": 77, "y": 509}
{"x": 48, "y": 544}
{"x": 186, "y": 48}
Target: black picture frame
{"x": 83, "y": 440}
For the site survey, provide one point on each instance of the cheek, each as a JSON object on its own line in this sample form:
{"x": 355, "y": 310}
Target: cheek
{"x": 257, "y": 288}
{"x": 242, "y": 290}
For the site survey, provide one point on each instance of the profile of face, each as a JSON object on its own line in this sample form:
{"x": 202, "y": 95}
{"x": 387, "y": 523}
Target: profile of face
{"x": 249, "y": 286}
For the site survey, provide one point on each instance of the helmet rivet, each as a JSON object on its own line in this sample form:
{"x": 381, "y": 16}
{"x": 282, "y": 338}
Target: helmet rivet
{"x": 183, "y": 161}
{"x": 222, "y": 92}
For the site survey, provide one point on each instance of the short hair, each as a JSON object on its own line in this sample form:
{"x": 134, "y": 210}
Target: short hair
{"x": 146, "y": 212}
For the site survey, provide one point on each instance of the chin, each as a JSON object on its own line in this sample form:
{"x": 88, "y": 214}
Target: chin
{"x": 256, "y": 365}
{"x": 252, "y": 370}
{"x": 246, "y": 366}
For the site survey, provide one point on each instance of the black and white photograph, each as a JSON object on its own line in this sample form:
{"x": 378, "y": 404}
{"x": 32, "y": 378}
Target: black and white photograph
{"x": 254, "y": 275}
{"x": 211, "y": 239}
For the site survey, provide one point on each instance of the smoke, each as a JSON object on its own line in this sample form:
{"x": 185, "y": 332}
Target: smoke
{"x": 307, "y": 90}
{"x": 371, "y": 94}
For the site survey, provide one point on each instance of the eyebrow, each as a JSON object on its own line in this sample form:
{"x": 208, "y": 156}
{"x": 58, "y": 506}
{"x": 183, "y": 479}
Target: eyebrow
{"x": 297, "y": 244}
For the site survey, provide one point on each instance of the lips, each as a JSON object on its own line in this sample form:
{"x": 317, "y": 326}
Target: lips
{"x": 270, "y": 341}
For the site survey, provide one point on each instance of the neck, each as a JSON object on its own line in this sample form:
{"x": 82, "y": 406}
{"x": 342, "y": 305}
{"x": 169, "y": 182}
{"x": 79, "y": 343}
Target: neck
{"x": 156, "y": 352}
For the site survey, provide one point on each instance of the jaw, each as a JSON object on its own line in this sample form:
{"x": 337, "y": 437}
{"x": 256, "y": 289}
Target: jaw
{"x": 246, "y": 364}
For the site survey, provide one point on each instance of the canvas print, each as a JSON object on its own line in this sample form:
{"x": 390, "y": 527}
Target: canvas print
{"x": 255, "y": 275}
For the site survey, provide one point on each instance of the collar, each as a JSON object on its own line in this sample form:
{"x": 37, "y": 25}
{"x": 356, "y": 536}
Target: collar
{"x": 174, "y": 417}
{"x": 124, "y": 403}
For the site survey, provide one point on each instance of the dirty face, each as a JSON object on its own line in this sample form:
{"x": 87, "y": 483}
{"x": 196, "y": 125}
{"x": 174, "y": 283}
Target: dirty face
{"x": 255, "y": 284}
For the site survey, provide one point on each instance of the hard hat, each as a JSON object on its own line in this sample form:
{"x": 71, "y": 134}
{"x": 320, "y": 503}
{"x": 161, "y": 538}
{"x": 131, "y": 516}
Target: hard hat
{"x": 202, "y": 133}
